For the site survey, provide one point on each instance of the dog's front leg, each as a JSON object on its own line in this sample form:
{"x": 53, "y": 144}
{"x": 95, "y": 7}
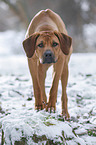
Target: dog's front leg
{"x": 58, "y": 67}
{"x": 42, "y": 68}
{"x": 64, "y": 80}
{"x": 36, "y": 86}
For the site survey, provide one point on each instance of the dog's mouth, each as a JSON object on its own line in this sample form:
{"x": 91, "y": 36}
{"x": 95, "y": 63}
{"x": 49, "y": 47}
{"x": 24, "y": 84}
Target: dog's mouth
{"x": 48, "y": 57}
{"x": 48, "y": 61}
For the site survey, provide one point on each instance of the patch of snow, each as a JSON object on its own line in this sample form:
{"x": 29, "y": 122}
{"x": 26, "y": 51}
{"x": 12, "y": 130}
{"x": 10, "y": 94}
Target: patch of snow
{"x": 4, "y": 6}
{"x": 89, "y": 140}
{"x": 89, "y": 31}
{"x": 93, "y": 120}
{"x": 85, "y": 5}
{"x": 11, "y": 42}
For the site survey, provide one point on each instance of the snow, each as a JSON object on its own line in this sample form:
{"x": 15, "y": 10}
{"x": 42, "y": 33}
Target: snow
{"x": 18, "y": 119}
{"x": 89, "y": 34}
{"x": 85, "y": 5}
{"x": 11, "y": 42}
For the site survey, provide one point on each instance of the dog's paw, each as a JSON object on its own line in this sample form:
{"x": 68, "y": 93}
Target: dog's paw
{"x": 39, "y": 107}
{"x": 50, "y": 108}
{"x": 65, "y": 116}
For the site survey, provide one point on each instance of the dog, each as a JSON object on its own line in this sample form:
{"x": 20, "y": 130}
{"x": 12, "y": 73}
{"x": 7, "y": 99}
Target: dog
{"x": 47, "y": 43}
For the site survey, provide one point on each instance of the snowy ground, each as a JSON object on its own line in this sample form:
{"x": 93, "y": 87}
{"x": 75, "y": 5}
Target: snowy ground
{"x": 21, "y": 124}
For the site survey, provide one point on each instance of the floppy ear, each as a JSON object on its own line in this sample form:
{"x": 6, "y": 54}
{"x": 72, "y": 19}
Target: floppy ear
{"x": 65, "y": 42}
{"x": 29, "y": 44}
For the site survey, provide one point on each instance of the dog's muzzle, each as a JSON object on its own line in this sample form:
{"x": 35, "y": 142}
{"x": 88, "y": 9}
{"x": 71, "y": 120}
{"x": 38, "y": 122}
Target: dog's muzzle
{"x": 48, "y": 57}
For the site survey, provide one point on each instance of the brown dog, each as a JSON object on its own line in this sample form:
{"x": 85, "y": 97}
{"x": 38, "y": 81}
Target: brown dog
{"x": 46, "y": 44}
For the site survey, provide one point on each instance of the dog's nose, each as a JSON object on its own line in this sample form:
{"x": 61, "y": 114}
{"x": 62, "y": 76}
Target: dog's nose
{"x": 48, "y": 57}
{"x": 47, "y": 54}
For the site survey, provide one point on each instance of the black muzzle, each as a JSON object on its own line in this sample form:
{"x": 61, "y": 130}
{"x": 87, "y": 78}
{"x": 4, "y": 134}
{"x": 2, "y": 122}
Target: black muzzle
{"x": 48, "y": 57}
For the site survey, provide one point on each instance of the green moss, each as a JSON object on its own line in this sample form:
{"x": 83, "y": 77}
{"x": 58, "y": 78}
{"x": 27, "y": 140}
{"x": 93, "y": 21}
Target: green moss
{"x": 22, "y": 142}
{"x": 47, "y": 123}
{"x": 92, "y": 133}
{"x": 37, "y": 139}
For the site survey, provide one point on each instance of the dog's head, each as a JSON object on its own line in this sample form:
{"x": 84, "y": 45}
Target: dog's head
{"x": 47, "y": 45}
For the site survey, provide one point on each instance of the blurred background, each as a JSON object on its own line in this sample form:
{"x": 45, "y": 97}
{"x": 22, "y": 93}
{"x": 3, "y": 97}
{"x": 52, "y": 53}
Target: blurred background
{"x": 79, "y": 17}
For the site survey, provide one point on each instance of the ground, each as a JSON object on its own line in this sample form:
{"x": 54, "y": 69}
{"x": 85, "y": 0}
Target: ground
{"x": 20, "y": 124}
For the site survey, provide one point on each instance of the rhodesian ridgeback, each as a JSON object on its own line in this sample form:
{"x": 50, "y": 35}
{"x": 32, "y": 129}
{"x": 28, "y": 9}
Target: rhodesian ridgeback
{"x": 47, "y": 43}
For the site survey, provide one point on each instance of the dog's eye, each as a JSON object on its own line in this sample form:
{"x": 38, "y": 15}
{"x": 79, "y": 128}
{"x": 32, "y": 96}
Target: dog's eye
{"x": 41, "y": 45}
{"x": 54, "y": 44}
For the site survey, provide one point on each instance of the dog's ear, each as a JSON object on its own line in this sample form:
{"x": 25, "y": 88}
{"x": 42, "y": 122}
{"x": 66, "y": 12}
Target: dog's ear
{"x": 29, "y": 44}
{"x": 65, "y": 42}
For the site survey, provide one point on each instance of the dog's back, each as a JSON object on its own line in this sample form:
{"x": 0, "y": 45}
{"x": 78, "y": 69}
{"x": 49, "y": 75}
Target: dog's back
{"x": 46, "y": 20}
